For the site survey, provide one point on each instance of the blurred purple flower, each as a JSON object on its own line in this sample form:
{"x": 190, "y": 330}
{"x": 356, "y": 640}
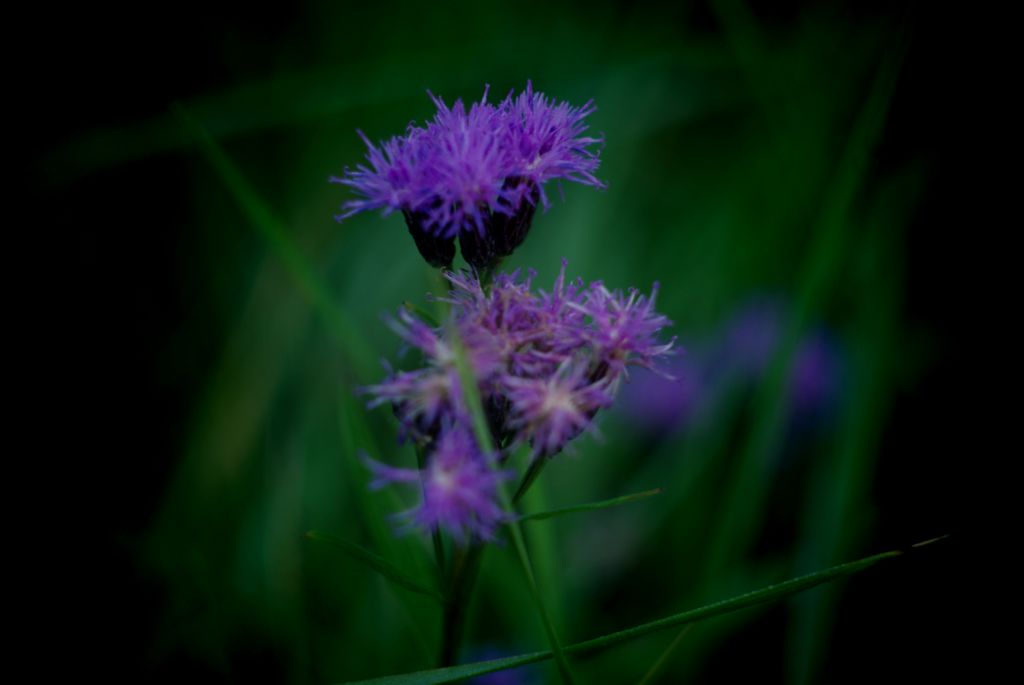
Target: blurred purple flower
{"x": 752, "y": 340}
{"x": 741, "y": 352}
{"x": 816, "y": 378}
{"x": 476, "y": 174}
{"x": 656, "y": 404}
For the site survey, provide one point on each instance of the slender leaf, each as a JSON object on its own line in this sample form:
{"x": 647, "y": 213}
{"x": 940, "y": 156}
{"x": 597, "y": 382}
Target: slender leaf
{"x": 421, "y": 313}
{"x": 663, "y": 658}
{"x": 771, "y": 593}
{"x": 592, "y": 506}
{"x": 532, "y": 472}
{"x": 282, "y": 244}
{"x": 375, "y": 562}
{"x": 483, "y": 435}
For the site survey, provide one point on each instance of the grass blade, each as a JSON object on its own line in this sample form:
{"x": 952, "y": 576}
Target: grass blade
{"x": 592, "y": 506}
{"x": 281, "y": 243}
{"x": 744, "y": 501}
{"x": 375, "y": 562}
{"x": 483, "y": 436}
{"x": 664, "y": 657}
{"x": 771, "y": 593}
{"x": 839, "y": 484}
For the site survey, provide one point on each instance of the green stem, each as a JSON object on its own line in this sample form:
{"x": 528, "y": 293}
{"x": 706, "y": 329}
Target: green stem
{"x": 772, "y": 593}
{"x": 487, "y": 275}
{"x": 465, "y": 569}
{"x": 488, "y": 444}
{"x": 421, "y": 460}
{"x": 536, "y": 466}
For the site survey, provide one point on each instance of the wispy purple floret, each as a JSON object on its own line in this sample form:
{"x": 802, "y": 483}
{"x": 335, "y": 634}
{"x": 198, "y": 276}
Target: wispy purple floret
{"x": 624, "y": 328}
{"x": 476, "y": 173}
{"x": 547, "y": 141}
{"x": 459, "y": 488}
{"x": 425, "y": 396}
{"x": 421, "y": 399}
{"x": 549, "y": 412}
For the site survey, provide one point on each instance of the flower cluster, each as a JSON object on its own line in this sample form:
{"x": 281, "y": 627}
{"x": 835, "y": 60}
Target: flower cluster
{"x": 476, "y": 174}
{"x": 545, "y": 364}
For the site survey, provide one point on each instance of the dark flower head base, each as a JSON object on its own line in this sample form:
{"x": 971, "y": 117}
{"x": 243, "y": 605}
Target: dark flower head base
{"x": 475, "y": 174}
{"x": 546, "y": 363}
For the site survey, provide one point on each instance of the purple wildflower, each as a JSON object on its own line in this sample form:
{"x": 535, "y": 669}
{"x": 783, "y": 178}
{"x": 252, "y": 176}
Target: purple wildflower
{"x": 549, "y": 412}
{"x": 545, "y": 364}
{"x": 459, "y": 488}
{"x": 531, "y": 334}
{"x": 623, "y": 329}
{"x": 421, "y": 399}
{"x": 527, "y": 350}
{"x": 547, "y": 141}
{"x": 475, "y": 174}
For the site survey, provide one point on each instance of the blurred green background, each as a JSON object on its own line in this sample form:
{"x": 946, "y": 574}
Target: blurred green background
{"x": 782, "y": 153}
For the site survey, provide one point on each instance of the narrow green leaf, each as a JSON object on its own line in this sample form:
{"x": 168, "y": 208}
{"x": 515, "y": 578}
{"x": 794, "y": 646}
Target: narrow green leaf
{"x": 591, "y": 506}
{"x": 483, "y": 436}
{"x": 819, "y": 273}
{"x": 472, "y": 395}
{"x": 768, "y": 594}
{"x": 536, "y": 466}
{"x": 839, "y": 483}
{"x": 377, "y": 563}
{"x": 281, "y": 243}
{"x": 657, "y": 667}
{"x": 420, "y": 313}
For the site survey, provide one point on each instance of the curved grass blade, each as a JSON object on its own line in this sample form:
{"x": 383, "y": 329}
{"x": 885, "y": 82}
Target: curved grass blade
{"x": 483, "y": 436}
{"x": 536, "y": 466}
{"x": 771, "y": 593}
{"x": 377, "y": 563}
{"x": 657, "y": 667}
{"x": 592, "y": 506}
{"x": 268, "y": 226}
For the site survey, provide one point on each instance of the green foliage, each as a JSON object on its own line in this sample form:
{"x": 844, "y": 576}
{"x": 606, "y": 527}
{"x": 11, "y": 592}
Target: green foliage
{"x": 377, "y": 563}
{"x": 592, "y": 506}
{"x": 744, "y": 601}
